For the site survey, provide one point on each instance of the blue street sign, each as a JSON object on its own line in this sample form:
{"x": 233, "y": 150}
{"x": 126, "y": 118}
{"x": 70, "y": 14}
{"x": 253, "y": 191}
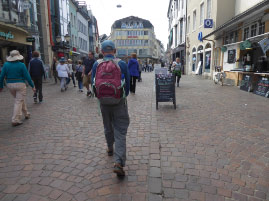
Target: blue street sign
{"x": 200, "y": 36}
{"x": 208, "y": 23}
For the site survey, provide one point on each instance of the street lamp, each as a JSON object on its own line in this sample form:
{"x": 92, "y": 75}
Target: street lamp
{"x": 67, "y": 38}
{"x": 59, "y": 40}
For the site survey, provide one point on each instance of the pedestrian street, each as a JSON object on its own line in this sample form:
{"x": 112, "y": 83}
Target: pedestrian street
{"x": 214, "y": 146}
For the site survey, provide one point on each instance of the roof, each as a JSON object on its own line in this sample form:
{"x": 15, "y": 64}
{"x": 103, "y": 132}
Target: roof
{"x": 237, "y": 18}
{"x": 146, "y": 23}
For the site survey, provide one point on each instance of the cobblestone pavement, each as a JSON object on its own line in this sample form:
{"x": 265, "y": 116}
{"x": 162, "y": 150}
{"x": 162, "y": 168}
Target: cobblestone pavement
{"x": 213, "y": 147}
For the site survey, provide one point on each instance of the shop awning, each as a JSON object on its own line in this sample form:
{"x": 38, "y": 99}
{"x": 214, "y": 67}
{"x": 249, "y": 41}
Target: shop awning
{"x": 18, "y": 35}
{"x": 74, "y": 53}
{"x": 262, "y": 5}
{"x": 179, "y": 48}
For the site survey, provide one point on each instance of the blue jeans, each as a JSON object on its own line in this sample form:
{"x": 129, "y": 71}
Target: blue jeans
{"x": 80, "y": 85}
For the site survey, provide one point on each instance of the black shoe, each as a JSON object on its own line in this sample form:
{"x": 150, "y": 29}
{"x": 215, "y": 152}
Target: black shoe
{"x": 109, "y": 152}
{"x": 35, "y": 100}
{"x": 89, "y": 93}
{"x": 118, "y": 169}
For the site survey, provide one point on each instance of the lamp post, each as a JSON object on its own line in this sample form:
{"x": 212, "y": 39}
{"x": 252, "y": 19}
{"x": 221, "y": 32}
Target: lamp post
{"x": 59, "y": 40}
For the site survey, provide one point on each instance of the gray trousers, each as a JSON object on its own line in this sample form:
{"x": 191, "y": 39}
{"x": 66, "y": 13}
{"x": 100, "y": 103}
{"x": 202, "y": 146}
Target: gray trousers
{"x": 116, "y": 121}
{"x": 63, "y": 82}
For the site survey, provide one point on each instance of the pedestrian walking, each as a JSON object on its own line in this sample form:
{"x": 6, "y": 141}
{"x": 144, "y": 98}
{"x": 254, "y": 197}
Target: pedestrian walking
{"x": 133, "y": 67}
{"x": 63, "y": 72}
{"x": 37, "y": 71}
{"x": 1, "y": 67}
{"x": 16, "y": 73}
{"x": 71, "y": 72}
{"x": 54, "y": 70}
{"x": 140, "y": 70}
{"x": 87, "y": 71}
{"x": 79, "y": 75}
{"x": 177, "y": 69}
{"x": 111, "y": 81}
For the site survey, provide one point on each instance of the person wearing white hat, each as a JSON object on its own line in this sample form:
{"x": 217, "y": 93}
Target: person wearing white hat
{"x": 63, "y": 72}
{"x": 16, "y": 74}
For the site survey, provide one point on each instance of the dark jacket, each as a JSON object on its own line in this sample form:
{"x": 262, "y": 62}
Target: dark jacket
{"x": 36, "y": 68}
{"x": 133, "y": 67}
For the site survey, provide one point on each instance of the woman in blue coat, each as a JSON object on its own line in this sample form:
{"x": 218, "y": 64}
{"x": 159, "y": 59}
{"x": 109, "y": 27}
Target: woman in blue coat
{"x": 134, "y": 72}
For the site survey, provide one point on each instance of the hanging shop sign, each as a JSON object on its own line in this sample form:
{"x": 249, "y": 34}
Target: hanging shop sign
{"x": 200, "y": 36}
{"x": 224, "y": 49}
{"x": 7, "y": 35}
{"x": 30, "y": 39}
{"x": 264, "y": 44}
{"x": 208, "y": 23}
{"x": 245, "y": 45}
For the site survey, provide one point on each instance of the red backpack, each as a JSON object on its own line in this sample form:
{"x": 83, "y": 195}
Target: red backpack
{"x": 108, "y": 87}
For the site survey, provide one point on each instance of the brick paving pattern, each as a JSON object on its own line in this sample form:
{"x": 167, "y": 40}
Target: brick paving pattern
{"x": 213, "y": 147}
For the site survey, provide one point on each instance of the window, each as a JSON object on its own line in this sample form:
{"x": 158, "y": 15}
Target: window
{"x": 253, "y": 30}
{"x": 261, "y": 28}
{"x": 194, "y": 21}
{"x": 226, "y": 41}
{"x": 123, "y": 25}
{"x": 146, "y": 33}
{"x": 231, "y": 37}
{"x": 208, "y": 10}
{"x": 235, "y": 36}
{"x": 181, "y": 31}
{"x": 189, "y": 24}
{"x": 202, "y": 14}
{"x": 146, "y": 42}
{"x": 72, "y": 19}
{"x": 246, "y": 31}
{"x": 176, "y": 35}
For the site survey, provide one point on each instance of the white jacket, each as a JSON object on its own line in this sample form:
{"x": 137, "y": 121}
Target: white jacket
{"x": 63, "y": 70}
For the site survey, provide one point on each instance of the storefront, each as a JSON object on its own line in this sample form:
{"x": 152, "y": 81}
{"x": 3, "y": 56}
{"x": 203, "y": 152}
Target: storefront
{"x": 14, "y": 38}
{"x": 244, "y": 43}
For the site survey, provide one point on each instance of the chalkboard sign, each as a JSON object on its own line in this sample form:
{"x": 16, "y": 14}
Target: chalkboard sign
{"x": 246, "y": 83}
{"x": 262, "y": 88}
{"x": 165, "y": 89}
{"x": 231, "y": 56}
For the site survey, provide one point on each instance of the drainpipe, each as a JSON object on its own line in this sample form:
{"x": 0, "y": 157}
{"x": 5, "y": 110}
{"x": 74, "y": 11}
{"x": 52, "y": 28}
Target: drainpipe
{"x": 186, "y": 18}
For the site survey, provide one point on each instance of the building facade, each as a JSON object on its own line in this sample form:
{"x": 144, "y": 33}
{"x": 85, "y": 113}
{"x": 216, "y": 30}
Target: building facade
{"x": 83, "y": 29}
{"x": 73, "y": 7}
{"x": 199, "y": 52}
{"x": 237, "y": 48}
{"x": 135, "y": 35}
{"x": 177, "y": 29}
{"x": 18, "y": 28}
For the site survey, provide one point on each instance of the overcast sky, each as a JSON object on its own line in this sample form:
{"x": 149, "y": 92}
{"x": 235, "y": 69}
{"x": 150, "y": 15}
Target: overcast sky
{"x": 106, "y": 13}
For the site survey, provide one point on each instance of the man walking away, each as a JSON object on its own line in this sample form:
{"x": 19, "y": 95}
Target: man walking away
{"x": 87, "y": 71}
{"x": 111, "y": 82}
{"x": 37, "y": 71}
{"x": 54, "y": 70}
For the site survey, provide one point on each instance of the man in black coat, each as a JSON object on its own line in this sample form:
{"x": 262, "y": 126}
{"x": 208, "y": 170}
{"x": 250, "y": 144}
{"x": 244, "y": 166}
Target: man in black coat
{"x": 36, "y": 70}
